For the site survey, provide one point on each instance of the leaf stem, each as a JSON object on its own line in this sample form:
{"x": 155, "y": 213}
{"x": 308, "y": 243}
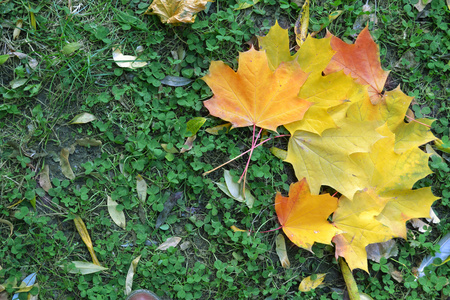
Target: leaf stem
{"x": 414, "y": 120}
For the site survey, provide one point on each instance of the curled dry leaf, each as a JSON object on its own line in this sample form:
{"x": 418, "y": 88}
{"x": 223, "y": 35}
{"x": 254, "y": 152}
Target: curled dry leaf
{"x": 309, "y": 284}
{"x": 141, "y": 188}
{"x": 127, "y": 61}
{"x": 83, "y": 118}
{"x": 433, "y": 217}
{"x": 176, "y": 11}
{"x": 11, "y": 227}
{"x": 82, "y": 230}
{"x": 44, "y": 179}
{"x": 170, "y": 242}
{"x": 234, "y": 190}
{"x": 281, "y": 251}
{"x": 117, "y": 216}
{"x": 84, "y": 267}
{"x": 189, "y": 143}
{"x": 65, "y": 165}
{"x": 130, "y": 274}
{"x": 419, "y": 224}
{"x": 88, "y": 142}
{"x": 378, "y": 250}
{"x": 17, "y": 30}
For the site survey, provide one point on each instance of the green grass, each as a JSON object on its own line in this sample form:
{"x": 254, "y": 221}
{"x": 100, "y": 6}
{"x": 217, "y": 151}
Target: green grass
{"x": 136, "y": 114}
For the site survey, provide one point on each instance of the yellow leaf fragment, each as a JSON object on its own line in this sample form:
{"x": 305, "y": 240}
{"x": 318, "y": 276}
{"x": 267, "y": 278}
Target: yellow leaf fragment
{"x": 281, "y": 251}
{"x": 350, "y": 282}
{"x": 117, "y": 216}
{"x": 84, "y": 267}
{"x": 234, "y": 228}
{"x": 225, "y": 128}
{"x": 176, "y": 11}
{"x": 65, "y": 165}
{"x": 32, "y": 18}
{"x": 242, "y": 4}
{"x": 309, "y": 284}
{"x": 83, "y": 118}
{"x": 141, "y": 188}
{"x": 301, "y": 26}
{"x": 276, "y": 45}
{"x": 17, "y": 30}
{"x": 127, "y": 61}
{"x": 279, "y": 153}
{"x": 130, "y": 274}
{"x": 82, "y": 230}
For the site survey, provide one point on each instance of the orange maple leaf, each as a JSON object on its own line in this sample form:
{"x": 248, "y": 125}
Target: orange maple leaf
{"x": 255, "y": 95}
{"x": 361, "y": 60}
{"x": 304, "y": 216}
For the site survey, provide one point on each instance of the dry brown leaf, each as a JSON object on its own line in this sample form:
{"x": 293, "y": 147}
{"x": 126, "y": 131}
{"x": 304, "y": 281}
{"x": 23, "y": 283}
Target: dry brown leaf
{"x": 17, "y": 30}
{"x": 44, "y": 179}
{"x": 176, "y": 11}
{"x": 281, "y": 251}
{"x": 130, "y": 274}
{"x": 170, "y": 242}
{"x": 65, "y": 165}
{"x": 82, "y": 230}
{"x": 88, "y": 142}
{"x": 83, "y": 118}
{"x": 189, "y": 143}
{"x": 309, "y": 284}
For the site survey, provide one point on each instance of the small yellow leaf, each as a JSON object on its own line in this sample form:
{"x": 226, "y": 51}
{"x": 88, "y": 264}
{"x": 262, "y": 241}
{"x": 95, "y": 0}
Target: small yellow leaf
{"x": 170, "y": 242}
{"x": 65, "y": 165}
{"x": 309, "y": 284}
{"x": 141, "y": 188}
{"x": 219, "y": 128}
{"x": 172, "y": 149}
{"x": 126, "y": 61}
{"x": 352, "y": 287}
{"x": 44, "y": 179}
{"x": 32, "y": 18}
{"x": 83, "y": 118}
{"x": 242, "y": 4}
{"x": 117, "y": 216}
{"x": 71, "y": 47}
{"x": 281, "y": 251}
{"x": 17, "y": 30}
{"x": 234, "y": 228}
{"x": 82, "y": 230}
{"x": 130, "y": 274}
{"x": 193, "y": 125}
{"x": 301, "y": 26}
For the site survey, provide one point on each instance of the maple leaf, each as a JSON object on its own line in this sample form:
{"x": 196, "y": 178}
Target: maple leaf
{"x": 361, "y": 60}
{"x": 255, "y": 95}
{"x": 325, "y": 160}
{"x": 357, "y": 219}
{"x": 392, "y": 110}
{"x": 304, "y": 216}
{"x": 176, "y": 11}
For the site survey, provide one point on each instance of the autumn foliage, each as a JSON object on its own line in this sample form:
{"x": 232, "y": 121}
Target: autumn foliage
{"x": 347, "y": 133}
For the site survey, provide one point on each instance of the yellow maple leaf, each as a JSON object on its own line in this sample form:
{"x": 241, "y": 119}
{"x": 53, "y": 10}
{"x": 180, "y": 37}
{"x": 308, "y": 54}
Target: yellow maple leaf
{"x": 255, "y": 95}
{"x": 304, "y": 216}
{"x": 176, "y": 11}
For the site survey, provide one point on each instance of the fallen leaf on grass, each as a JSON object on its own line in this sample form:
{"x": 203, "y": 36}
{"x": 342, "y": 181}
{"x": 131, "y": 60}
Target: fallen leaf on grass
{"x": 176, "y": 11}
{"x": 82, "y": 230}
{"x": 176, "y": 81}
{"x": 301, "y": 26}
{"x": 234, "y": 190}
{"x": 141, "y": 188}
{"x": 17, "y": 30}
{"x": 130, "y": 274}
{"x": 26, "y": 285}
{"x": 309, "y": 284}
{"x": 168, "y": 206}
{"x": 32, "y": 18}
{"x": 3, "y": 58}
{"x": 117, "y": 216}
{"x": 278, "y": 153}
{"x": 433, "y": 217}
{"x": 442, "y": 254}
{"x": 84, "y": 267}
{"x": 189, "y": 143}
{"x": 243, "y": 4}
{"x": 88, "y": 142}
{"x": 127, "y": 61}
{"x": 44, "y": 178}
{"x": 11, "y": 227}
{"x": 170, "y": 242}
{"x": 71, "y": 47}
{"x": 420, "y": 225}
{"x": 281, "y": 251}
{"x": 234, "y": 228}
{"x": 378, "y": 250}
{"x": 172, "y": 149}
{"x": 219, "y": 128}
{"x": 83, "y": 118}
{"x": 33, "y": 63}
{"x": 65, "y": 165}
{"x": 18, "y": 82}
{"x": 193, "y": 125}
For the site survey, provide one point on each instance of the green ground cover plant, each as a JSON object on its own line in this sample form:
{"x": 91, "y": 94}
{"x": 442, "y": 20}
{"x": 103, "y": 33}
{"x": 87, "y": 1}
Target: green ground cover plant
{"x": 141, "y": 123}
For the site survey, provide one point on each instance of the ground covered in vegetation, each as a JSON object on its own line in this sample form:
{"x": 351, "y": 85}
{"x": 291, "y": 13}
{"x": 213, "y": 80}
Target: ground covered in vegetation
{"x": 62, "y": 66}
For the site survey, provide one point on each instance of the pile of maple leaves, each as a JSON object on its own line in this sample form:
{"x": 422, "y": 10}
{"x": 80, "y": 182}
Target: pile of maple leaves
{"x": 347, "y": 133}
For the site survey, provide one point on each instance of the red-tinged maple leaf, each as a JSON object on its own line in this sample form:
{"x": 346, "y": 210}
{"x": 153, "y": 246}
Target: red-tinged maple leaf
{"x": 255, "y": 95}
{"x": 304, "y": 216}
{"x": 362, "y": 61}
